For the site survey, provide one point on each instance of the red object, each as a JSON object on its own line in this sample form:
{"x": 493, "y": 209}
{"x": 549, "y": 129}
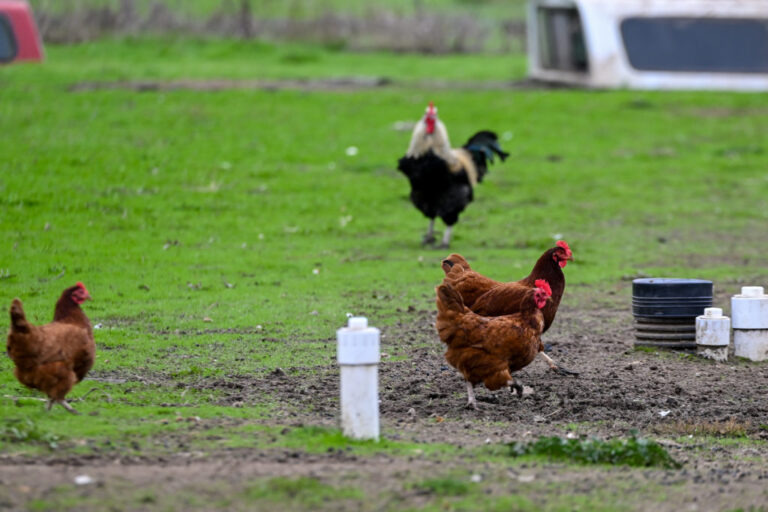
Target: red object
{"x": 430, "y": 117}
{"x": 19, "y": 37}
{"x": 563, "y": 244}
{"x": 544, "y": 285}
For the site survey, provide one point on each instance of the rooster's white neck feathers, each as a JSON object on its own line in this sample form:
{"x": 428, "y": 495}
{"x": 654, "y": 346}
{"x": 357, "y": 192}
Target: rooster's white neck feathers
{"x": 438, "y": 142}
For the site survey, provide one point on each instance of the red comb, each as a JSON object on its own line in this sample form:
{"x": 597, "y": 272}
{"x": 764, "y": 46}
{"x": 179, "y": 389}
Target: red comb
{"x": 541, "y": 283}
{"x": 564, "y": 246}
{"x": 431, "y": 108}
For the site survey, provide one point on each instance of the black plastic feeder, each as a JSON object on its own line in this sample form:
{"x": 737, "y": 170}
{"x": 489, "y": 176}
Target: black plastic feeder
{"x": 665, "y": 311}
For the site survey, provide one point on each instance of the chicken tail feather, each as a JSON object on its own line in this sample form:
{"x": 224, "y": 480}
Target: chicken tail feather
{"x": 448, "y": 299}
{"x": 486, "y": 143}
{"x": 18, "y": 319}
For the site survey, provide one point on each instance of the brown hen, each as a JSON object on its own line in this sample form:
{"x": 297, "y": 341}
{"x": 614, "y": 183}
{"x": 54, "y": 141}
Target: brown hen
{"x": 488, "y": 297}
{"x": 487, "y": 349}
{"x": 53, "y": 357}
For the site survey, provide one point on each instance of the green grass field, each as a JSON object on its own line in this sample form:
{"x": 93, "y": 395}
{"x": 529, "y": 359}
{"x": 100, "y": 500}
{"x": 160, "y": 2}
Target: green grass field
{"x": 228, "y": 233}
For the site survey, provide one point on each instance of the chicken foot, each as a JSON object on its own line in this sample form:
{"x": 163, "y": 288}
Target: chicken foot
{"x": 555, "y": 367}
{"x": 516, "y": 387}
{"x": 63, "y": 403}
{"x": 446, "y": 243}
{"x": 471, "y": 402}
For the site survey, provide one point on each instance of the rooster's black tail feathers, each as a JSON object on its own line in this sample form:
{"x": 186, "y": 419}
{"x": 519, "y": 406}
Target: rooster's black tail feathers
{"x": 485, "y": 143}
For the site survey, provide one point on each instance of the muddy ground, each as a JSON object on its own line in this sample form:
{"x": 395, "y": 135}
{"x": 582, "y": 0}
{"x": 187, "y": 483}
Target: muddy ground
{"x": 309, "y": 85}
{"x": 660, "y": 394}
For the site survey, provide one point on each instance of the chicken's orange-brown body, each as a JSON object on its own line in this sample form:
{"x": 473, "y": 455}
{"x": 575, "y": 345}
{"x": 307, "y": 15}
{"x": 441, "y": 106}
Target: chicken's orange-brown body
{"x": 471, "y": 285}
{"x": 487, "y": 349}
{"x": 487, "y": 297}
{"x": 53, "y": 357}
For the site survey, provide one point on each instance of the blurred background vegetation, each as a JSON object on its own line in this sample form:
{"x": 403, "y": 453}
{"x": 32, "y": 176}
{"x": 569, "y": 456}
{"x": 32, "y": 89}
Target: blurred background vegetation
{"x": 424, "y": 26}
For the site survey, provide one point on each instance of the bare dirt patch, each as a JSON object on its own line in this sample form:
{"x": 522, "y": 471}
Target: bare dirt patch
{"x": 619, "y": 390}
{"x": 337, "y": 84}
{"x": 664, "y": 395}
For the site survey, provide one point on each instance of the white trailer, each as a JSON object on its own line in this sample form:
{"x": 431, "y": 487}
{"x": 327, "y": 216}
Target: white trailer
{"x": 650, "y": 44}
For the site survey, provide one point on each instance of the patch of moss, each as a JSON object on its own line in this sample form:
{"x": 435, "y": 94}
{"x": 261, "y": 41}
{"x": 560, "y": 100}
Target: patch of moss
{"x": 630, "y": 452}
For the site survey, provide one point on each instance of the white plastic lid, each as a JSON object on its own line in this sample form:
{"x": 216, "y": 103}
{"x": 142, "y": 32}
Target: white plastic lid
{"x": 713, "y": 312}
{"x": 752, "y": 291}
{"x": 358, "y": 344}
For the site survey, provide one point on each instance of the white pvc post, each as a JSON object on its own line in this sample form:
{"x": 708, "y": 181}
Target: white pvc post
{"x": 358, "y": 356}
{"x": 750, "y": 323}
{"x": 713, "y": 334}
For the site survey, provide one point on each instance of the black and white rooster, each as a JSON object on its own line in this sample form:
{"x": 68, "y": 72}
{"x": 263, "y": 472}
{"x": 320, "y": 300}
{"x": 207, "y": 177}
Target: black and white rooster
{"x": 442, "y": 178}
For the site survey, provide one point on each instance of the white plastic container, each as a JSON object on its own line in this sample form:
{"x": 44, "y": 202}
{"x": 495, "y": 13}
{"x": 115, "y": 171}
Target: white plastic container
{"x": 750, "y": 323}
{"x": 713, "y": 334}
{"x": 359, "y": 356}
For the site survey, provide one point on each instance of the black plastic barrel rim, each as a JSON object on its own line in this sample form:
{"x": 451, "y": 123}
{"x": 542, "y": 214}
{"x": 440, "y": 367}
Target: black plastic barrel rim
{"x": 666, "y": 287}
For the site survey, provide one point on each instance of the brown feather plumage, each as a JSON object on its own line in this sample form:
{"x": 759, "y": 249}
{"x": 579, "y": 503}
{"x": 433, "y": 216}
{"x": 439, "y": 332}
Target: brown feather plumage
{"x": 487, "y": 349}
{"x": 488, "y": 297}
{"x": 53, "y": 357}
{"x": 471, "y": 285}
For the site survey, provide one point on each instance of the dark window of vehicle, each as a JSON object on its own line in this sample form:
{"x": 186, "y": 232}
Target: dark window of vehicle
{"x": 8, "y": 48}
{"x": 561, "y": 39}
{"x": 723, "y": 45}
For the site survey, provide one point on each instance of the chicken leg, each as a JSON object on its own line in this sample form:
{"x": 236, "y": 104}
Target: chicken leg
{"x": 63, "y": 403}
{"x": 555, "y": 367}
{"x": 514, "y": 387}
{"x": 471, "y": 402}
{"x": 446, "y": 238}
{"x": 429, "y": 237}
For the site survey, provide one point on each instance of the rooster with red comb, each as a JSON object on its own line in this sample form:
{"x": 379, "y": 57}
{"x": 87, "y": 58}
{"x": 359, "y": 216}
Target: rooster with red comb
{"x": 443, "y": 178}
